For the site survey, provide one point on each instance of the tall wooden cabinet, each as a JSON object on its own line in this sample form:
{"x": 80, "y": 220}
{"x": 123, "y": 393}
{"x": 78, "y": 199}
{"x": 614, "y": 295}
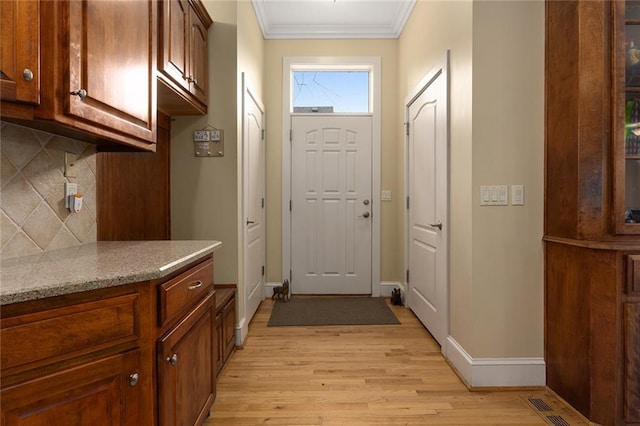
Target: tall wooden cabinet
{"x": 592, "y": 208}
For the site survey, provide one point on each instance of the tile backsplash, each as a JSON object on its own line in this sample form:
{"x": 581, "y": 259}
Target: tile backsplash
{"x": 33, "y": 216}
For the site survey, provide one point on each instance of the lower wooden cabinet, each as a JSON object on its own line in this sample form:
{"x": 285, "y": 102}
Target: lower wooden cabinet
{"x": 104, "y": 392}
{"x": 142, "y": 354}
{"x": 592, "y": 328}
{"x": 186, "y": 370}
{"x": 225, "y": 323}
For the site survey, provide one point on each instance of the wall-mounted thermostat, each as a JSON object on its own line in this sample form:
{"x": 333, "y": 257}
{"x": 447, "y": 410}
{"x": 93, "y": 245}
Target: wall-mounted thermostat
{"x": 208, "y": 142}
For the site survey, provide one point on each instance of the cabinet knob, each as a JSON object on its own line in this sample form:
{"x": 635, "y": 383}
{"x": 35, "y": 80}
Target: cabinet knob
{"x": 27, "y": 74}
{"x": 173, "y": 359}
{"x": 133, "y": 379}
{"x": 80, "y": 93}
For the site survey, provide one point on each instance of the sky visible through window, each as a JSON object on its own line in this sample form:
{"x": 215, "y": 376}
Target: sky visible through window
{"x": 346, "y": 91}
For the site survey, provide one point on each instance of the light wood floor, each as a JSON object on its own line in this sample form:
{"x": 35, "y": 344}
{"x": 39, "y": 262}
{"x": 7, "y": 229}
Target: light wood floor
{"x": 358, "y": 375}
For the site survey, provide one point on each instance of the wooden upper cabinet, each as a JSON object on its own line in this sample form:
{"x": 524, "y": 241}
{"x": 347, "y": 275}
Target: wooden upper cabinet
{"x": 97, "y": 65}
{"x": 183, "y": 57}
{"x": 626, "y": 44}
{"x": 19, "y": 55}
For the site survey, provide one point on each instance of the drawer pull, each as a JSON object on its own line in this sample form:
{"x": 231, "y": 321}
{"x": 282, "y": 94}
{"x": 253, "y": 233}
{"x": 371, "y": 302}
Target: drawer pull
{"x": 198, "y": 284}
{"x": 133, "y": 379}
{"x": 173, "y": 359}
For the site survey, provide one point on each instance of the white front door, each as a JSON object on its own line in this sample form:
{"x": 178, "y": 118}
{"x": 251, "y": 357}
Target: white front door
{"x": 331, "y": 221}
{"x": 254, "y": 254}
{"x": 428, "y": 287}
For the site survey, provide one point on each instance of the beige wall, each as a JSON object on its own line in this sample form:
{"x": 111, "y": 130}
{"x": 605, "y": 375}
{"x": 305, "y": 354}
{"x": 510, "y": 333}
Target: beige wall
{"x": 33, "y": 216}
{"x": 508, "y": 148}
{"x": 206, "y": 192}
{"x": 496, "y": 137}
{"x": 276, "y": 50}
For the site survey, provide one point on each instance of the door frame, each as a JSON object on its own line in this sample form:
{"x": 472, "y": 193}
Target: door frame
{"x": 440, "y": 68}
{"x": 243, "y": 208}
{"x": 373, "y": 64}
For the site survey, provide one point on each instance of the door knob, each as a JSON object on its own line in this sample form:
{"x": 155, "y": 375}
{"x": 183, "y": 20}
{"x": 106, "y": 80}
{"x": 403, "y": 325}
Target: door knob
{"x": 250, "y": 222}
{"x": 365, "y": 215}
{"x": 436, "y": 225}
{"x": 365, "y": 202}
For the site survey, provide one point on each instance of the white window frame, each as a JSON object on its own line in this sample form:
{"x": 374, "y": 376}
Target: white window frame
{"x": 333, "y": 63}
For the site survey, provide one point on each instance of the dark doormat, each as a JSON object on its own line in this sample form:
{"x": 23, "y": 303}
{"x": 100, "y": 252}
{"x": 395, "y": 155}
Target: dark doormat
{"x": 304, "y": 311}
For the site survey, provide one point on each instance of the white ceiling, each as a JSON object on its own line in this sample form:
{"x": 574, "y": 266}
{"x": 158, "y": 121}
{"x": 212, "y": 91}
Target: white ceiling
{"x": 302, "y": 19}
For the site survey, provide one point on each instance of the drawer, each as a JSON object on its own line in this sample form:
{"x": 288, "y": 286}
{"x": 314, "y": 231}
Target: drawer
{"x": 633, "y": 273}
{"x": 45, "y": 337}
{"x": 184, "y": 290}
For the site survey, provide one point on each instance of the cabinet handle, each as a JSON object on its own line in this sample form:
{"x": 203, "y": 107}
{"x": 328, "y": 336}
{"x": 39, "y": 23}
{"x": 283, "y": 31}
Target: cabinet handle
{"x": 198, "y": 284}
{"x": 133, "y": 379}
{"x": 80, "y": 93}
{"x": 27, "y": 74}
{"x": 190, "y": 79}
{"x": 173, "y": 359}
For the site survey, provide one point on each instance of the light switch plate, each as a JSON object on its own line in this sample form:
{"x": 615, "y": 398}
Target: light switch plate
{"x": 385, "y": 195}
{"x": 70, "y": 167}
{"x": 494, "y": 195}
{"x": 517, "y": 195}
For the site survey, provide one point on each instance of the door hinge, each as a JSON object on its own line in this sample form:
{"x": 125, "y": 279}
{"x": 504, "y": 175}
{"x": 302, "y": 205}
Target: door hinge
{"x": 290, "y": 205}
{"x": 406, "y": 128}
{"x": 407, "y": 202}
{"x": 407, "y": 276}
{"x": 262, "y": 134}
{"x": 263, "y": 270}
{"x": 263, "y": 202}
{"x": 290, "y": 135}
{"x": 290, "y": 276}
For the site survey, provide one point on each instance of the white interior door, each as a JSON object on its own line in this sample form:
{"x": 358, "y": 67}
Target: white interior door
{"x": 331, "y": 221}
{"x": 428, "y": 287}
{"x": 254, "y": 160}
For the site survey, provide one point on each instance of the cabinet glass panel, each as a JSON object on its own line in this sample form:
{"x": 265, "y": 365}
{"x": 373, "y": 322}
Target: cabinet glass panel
{"x": 632, "y": 113}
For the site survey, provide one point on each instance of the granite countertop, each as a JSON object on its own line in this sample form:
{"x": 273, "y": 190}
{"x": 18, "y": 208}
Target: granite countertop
{"x": 95, "y": 265}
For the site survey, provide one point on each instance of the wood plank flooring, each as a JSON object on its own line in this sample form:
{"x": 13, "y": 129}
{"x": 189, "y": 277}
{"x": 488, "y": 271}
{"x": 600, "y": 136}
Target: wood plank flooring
{"x": 359, "y": 375}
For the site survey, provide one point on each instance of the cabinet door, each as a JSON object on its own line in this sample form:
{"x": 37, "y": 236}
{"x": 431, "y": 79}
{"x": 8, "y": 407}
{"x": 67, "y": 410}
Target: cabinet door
{"x": 111, "y": 65}
{"x": 186, "y": 367}
{"x": 229, "y": 322}
{"x": 19, "y": 60}
{"x": 220, "y": 343}
{"x": 174, "y": 41}
{"x": 100, "y": 393}
{"x": 199, "y": 58}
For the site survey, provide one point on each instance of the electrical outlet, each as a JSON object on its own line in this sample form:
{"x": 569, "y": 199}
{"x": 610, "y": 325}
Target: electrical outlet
{"x": 70, "y": 189}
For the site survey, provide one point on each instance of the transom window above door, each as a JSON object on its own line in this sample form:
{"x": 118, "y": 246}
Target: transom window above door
{"x": 331, "y": 91}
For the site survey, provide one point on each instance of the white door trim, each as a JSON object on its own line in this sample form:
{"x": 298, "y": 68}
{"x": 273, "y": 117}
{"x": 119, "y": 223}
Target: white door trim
{"x": 243, "y": 321}
{"x": 441, "y": 67}
{"x": 372, "y": 63}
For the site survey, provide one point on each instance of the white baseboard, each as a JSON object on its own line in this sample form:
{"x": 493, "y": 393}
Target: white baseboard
{"x": 495, "y": 372}
{"x": 386, "y": 287}
{"x": 242, "y": 330}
